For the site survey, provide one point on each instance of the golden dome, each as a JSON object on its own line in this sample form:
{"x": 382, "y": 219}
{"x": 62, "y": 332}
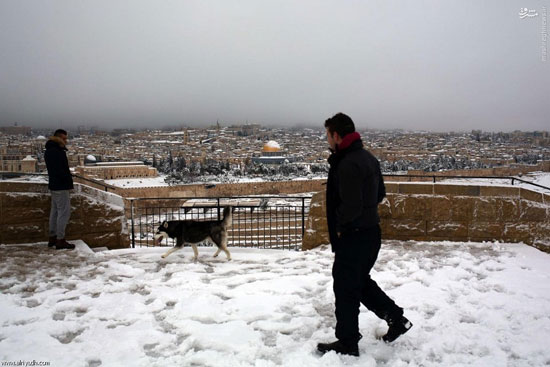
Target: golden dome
{"x": 271, "y": 146}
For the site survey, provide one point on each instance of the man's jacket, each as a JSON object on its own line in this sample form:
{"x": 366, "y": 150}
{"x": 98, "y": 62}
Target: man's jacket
{"x": 355, "y": 187}
{"x": 58, "y": 166}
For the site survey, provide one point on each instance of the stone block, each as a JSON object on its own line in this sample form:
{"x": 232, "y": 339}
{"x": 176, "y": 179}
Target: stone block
{"x": 509, "y": 210}
{"x": 316, "y": 229}
{"x": 517, "y": 232}
{"x": 391, "y": 187}
{"x": 456, "y": 190}
{"x": 394, "y": 228}
{"x": 384, "y": 209}
{"x": 414, "y": 188}
{"x": 25, "y": 215}
{"x": 410, "y": 207}
{"x": 442, "y": 208}
{"x": 486, "y": 209}
{"x": 485, "y": 231}
{"x": 317, "y": 206}
{"x": 444, "y": 229}
{"x": 499, "y": 191}
{"x": 531, "y": 211}
{"x": 531, "y": 195}
{"x": 543, "y": 246}
{"x": 24, "y": 200}
{"x": 461, "y": 208}
{"x": 24, "y": 233}
{"x": 546, "y": 198}
{"x": 92, "y": 208}
{"x": 27, "y": 187}
{"x": 110, "y": 240}
{"x": 94, "y": 225}
{"x": 314, "y": 239}
{"x": 541, "y": 232}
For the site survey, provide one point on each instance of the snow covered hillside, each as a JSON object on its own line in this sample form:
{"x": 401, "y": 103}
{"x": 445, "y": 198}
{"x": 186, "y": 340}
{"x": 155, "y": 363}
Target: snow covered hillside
{"x": 471, "y": 305}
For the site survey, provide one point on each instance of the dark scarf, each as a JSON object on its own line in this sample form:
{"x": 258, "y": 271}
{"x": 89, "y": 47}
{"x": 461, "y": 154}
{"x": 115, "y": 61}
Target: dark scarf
{"x": 348, "y": 140}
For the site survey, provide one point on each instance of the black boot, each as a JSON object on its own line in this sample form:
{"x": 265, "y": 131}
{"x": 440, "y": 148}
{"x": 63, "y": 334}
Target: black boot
{"x": 339, "y": 347}
{"x": 397, "y": 328}
{"x": 63, "y": 245}
{"x": 51, "y": 241}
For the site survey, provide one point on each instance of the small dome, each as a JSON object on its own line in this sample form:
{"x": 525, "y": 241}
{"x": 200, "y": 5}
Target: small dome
{"x": 90, "y": 159}
{"x": 41, "y": 137}
{"x": 29, "y": 158}
{"x": 271, "y": 146}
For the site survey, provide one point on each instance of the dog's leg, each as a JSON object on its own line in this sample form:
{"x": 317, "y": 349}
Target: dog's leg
{"x": 173, "y": 249}
{"x": 196, "y": 251}
{"x": 218, "y": 240}
{"x": 224, "y": 245}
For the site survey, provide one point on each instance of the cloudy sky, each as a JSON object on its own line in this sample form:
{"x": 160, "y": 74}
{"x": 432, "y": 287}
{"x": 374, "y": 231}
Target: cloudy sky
{"x": 433, "y": 65}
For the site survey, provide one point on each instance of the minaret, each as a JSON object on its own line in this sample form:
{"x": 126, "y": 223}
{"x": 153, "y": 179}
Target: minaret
{"x": 186, "y": 137}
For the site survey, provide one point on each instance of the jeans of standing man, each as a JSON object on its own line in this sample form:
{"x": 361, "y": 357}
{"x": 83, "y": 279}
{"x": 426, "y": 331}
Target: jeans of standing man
{"x": 60, "y": 212}
{"x": 355, "y": 256}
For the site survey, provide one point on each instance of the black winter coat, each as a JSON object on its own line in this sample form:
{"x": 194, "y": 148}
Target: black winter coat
{"x": 355, "y": 187}
{"x": 58, "y": 166}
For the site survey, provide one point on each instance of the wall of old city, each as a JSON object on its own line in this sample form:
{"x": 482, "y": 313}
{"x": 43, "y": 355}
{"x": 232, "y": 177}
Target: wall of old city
{"x": 114, "y": 172}
{"x": 226, "y": 189}
{"x": 97, "y": 217}
{"x": 435, "y": 212}
{"x": 511, "y": 170}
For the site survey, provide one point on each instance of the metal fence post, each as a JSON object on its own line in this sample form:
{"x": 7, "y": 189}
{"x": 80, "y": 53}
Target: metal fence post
{"x": 132, "y": 218}
{"x": 303, "y": 217}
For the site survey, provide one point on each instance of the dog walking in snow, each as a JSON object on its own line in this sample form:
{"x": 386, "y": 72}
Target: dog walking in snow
{"x": 193, "y": 232}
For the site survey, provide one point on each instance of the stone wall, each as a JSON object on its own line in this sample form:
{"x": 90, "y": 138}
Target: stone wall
{"x": 509, "y": 170}
{"x": 97, "y": 217}
{"x": 226, "y": 189}
{"x": 435, "y": 212}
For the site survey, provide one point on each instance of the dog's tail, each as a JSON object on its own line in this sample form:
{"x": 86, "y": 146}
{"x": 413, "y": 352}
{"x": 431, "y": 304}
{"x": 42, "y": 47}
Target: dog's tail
{"x": 227, "y": 216}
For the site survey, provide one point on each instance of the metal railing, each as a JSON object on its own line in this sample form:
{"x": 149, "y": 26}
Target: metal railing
{"x": 434, "y": 178}
{"x": 276, "y": 222}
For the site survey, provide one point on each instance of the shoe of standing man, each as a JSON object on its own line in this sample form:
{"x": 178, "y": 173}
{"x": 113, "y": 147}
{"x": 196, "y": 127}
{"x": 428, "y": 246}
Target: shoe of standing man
{"x": 62, "y": 244}
{"x": 339, "y": 347}
{"x": 51, "y": 241}
{"x": 397, "y": 328}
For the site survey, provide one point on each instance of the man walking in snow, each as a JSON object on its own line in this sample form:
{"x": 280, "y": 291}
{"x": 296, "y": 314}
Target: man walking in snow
{"x": 60, "y": 182}
{"x": 355, "y": 187}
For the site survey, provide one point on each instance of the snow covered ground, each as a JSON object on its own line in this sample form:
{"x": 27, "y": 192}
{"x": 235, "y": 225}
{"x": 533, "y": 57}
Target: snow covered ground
{"x": 471, "y": 304}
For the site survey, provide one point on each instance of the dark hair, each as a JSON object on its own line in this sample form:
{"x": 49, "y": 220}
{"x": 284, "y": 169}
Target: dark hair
{"x": 340, "y": 123}
{"x": 59, "y": 132}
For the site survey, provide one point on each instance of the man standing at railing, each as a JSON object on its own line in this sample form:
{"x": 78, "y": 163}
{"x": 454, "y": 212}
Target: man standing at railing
{"x": 355, "y": 187}
{"x": 60, "y": 182}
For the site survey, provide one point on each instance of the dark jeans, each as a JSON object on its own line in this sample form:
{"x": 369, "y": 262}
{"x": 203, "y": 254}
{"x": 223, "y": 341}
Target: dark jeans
{"x": 355, "y": 255}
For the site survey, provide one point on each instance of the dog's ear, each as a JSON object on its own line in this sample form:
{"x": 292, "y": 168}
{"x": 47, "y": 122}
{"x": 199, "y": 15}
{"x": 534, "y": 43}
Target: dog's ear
{"x": 165, "y": 224}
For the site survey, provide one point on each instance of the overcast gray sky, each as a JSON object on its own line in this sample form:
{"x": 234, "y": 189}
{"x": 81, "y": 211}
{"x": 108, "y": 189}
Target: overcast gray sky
{"x": 433, "y": 65}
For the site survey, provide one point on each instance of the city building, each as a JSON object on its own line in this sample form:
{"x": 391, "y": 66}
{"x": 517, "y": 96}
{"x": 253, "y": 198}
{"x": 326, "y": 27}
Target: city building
{"x": 114, "y": 170}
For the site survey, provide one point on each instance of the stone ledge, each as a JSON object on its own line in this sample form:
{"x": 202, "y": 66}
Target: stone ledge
{"x": 456, "y": 190}
{"x": 531, "y": 195}
{"x": 414, "y": 188}
{"x": 499, "y": 191}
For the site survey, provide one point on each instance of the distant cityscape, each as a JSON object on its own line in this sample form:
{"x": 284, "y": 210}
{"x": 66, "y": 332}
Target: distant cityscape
{"x": 229, "y": 153}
